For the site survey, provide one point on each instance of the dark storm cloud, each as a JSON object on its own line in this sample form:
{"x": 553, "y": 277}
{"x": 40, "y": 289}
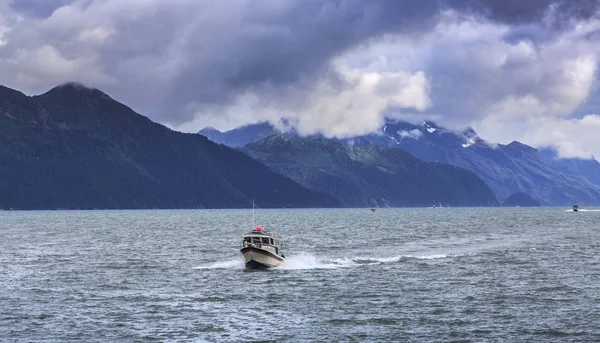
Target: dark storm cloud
{"x": 38, "y": 8}
{"x": 528, "y": 32}
{"x": 296, "y": 44}
{"x": 533, "y": 20}
{"x": 527, "y": 11}
{"x": 175, "y": 59}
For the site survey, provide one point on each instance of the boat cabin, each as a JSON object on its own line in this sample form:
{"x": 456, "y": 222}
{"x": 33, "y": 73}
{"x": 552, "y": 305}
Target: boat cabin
{"x": 258, "y": 238}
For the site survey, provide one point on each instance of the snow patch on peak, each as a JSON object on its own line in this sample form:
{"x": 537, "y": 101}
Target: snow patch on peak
{"x": 431, "y": 127}
{"x": 394, "y": 139}
{"x": 470, "y": 142}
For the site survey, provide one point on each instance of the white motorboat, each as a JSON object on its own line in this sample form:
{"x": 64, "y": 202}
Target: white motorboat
{"x": 260, "y": 250}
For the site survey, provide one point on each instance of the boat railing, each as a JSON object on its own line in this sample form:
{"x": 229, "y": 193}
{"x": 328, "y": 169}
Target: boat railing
{"x": 250, "y": 244}
{"x": 258, "y": 244}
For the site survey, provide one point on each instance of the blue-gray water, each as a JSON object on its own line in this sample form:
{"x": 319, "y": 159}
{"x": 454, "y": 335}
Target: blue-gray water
{"x": 396, "y": 275}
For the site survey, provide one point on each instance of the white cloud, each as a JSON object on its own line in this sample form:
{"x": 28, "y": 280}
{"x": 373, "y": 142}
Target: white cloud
{"x": 350, "y": 102}
{"x": 5, "y": 26}
{"x": 192, "y": 63}
{"x": 572, "y": 137}
{"x": 47, "y": 65}
{"x": 505, "y": 90}
{"x": 502, "y": 80}
{"x": 3, "y": 32}
{"x": 96, "y": 35}
{"x": 413, "y": 134}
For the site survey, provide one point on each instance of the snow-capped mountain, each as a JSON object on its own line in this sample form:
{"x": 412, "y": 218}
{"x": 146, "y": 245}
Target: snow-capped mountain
{"x": 506, "y": 169}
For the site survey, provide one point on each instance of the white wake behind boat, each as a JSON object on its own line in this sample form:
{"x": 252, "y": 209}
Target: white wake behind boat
{"x": 260, "y": 250}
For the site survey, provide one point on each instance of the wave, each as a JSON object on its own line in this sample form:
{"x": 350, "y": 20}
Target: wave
{"x": 362, "y": 260}
{"x": 309, "y": 261}
{"x": 306, "y": 260}
{"x": 230, "y": 264}
{"x": 429, "y": 257}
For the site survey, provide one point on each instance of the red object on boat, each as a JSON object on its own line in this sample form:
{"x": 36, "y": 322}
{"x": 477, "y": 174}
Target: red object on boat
{"x": 260, "y": 229}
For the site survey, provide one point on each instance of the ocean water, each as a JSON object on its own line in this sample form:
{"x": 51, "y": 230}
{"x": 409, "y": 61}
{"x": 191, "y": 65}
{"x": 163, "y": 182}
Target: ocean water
{"x": 395, "y": 275}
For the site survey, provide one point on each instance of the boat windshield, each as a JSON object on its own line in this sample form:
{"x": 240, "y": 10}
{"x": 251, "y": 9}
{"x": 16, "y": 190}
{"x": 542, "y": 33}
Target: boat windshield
{"x": 259, "y": 240}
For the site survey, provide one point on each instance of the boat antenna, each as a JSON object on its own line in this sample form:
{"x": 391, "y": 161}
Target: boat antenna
{"x": 253, "y": 214}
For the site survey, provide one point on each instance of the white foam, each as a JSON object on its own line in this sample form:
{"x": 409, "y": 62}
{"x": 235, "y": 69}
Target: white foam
{"x": 428, "y": 257}
{"x": 231, "y": 264}
{"x": 302, "y": 261}
{"x": 379, "y": 260}
{"x": 309, "y": 261}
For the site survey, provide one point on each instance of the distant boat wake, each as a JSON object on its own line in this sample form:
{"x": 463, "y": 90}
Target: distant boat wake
{"x": 583, "y": 210}
{"x": 309, "y": 261}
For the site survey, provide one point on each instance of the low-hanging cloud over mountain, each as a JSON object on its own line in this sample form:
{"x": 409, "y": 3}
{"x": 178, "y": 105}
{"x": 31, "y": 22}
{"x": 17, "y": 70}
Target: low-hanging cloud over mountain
{"x": 524, "y": 70}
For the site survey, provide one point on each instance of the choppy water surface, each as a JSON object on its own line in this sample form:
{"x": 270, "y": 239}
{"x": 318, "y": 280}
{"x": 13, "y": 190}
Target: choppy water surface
{"x": 401, "y": 275}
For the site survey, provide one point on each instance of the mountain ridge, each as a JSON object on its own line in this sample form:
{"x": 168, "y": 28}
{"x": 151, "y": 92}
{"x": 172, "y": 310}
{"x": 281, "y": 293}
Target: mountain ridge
{"x": 507, "y": 169}
{"x": 75, "y": 147}
{"x": 370, "y": 175}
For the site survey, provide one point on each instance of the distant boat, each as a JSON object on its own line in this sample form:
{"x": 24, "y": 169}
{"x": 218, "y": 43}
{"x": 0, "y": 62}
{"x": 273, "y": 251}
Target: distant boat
{"x": 372, "y": 209}
{"x": 575, "y": 208}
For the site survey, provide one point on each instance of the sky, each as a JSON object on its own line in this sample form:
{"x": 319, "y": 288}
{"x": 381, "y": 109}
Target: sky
{"x": 511, "y": 69}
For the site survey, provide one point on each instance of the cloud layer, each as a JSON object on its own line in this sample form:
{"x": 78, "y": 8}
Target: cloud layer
{"x": 524, "y": 70}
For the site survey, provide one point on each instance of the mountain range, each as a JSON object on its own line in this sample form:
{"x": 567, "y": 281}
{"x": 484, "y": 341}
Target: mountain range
{"x": 506, "y": 169}
{"x": 370, "y": 175}
{"x": 77, "y": 148}
{"x": 587, "y": 168}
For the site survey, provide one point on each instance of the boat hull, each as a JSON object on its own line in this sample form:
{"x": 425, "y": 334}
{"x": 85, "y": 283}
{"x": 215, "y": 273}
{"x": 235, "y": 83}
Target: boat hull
{"x": 256, "y": 258}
